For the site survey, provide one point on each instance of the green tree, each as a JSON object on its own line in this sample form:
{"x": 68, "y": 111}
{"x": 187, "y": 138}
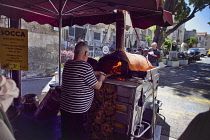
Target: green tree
{"x": 167, "y": 44}
{"x": 192, "y": 41}
{"x": 148, "y": 39}
{"x": 152, "y": 28}
{"x": 194, "y": 30}
{"x": 182, "y": 12}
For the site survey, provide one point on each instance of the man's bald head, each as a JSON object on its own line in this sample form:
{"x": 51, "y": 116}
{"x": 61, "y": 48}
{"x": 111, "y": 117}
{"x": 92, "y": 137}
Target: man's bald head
{"x": 81, "y": 51}
{"x": 154, "y": 45}
{"x": 80, "y": 48}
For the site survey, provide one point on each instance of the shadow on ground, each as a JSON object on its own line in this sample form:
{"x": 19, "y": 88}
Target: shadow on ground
{"x": 187, "y": 80}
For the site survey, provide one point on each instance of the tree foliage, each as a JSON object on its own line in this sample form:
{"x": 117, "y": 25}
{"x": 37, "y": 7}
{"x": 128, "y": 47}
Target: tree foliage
{"x": 182, "y": 12}
{"x": 167, "y": 44}
{"x": 152, "y": 28}
{"x": 194, "y": 30}
{"x": 192, "y": 41}
{"x": 148, "y": 39}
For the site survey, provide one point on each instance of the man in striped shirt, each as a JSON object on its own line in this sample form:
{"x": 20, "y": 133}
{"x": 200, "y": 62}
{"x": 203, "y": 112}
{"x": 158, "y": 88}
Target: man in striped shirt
{"x": 78, "y": 84}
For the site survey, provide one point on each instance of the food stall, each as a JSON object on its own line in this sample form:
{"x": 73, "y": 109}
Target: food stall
{"x": 131, "y": 93}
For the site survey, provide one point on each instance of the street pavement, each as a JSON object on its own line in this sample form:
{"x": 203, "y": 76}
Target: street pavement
{"x": 34, "y": 85}
{"x": 184, "y": 92}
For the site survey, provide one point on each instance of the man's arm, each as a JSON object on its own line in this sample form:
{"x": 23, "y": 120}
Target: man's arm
{"x": 98, "y": 73}
{"x": 100, "y": 81}
{"x": 157, "y": 55}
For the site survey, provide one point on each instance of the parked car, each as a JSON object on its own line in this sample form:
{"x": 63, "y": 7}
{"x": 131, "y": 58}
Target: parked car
{"x": 194, "y": 52}
{"x": 185, "y": 55}
{"x": 208, "y": 54}
{"x": 202, "y": 52}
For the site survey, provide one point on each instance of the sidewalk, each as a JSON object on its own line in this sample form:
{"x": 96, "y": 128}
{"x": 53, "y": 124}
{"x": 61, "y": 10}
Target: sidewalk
{"x": 161, "y": 65}
{"x": 162, "y": 137}
{"x": 47, "y": 87}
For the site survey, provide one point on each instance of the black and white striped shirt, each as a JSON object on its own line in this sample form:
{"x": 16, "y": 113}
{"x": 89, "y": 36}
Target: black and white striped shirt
{"x": 77, "y": 87}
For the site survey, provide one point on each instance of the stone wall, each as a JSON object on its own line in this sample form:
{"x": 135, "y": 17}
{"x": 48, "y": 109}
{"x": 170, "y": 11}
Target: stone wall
{"x": 42, "y": 60}
{"x": 42, "y": 48}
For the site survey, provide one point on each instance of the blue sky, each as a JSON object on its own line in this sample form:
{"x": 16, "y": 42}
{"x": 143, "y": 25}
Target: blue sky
{"x": 199, "y": 22}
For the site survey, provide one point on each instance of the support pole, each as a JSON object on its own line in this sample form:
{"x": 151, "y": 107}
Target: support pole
{"x": 16, "y": 74}
{"x": 153, "y": 111}
{"x": 120, "y": 30}
{"x": 60, "y": 32}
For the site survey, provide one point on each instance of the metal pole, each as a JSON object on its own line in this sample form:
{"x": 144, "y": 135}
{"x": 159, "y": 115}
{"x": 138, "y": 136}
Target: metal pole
{"x": 16, "y": 74}
{"x": 59, "y": 50}
{"x": 120, "y": 30}
{"x": 154, "y": 111}
{"x": 177, "y": 40}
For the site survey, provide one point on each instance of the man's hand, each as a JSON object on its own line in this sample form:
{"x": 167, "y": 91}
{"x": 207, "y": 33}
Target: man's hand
{"x": 96, "y": 73}
{"x": 107, "y": 75}
{"x": 102, "y": 77}
{"x": 102, "y": 73}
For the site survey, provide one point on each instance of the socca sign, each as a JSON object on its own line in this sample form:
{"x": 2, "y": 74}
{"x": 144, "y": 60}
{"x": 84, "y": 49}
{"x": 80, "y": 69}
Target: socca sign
{"x": 14, "y": 49}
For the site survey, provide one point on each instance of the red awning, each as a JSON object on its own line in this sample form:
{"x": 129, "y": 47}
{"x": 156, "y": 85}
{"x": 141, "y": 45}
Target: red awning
{"x": 144, "y": 20}
{"x": 143, "y": 13}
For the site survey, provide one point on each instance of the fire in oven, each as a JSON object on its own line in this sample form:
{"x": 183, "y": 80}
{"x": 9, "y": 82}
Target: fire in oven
{"x": 123, "y": 65}
{"x": 118, "y": 68}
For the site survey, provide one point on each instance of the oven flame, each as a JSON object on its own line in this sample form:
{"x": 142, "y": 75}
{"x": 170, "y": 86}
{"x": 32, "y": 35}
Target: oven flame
{"x": 117, "y": 68}
{"x": 118, "y": 64}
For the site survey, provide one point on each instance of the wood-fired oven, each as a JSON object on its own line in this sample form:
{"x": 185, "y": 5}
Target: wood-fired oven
{"x": 121, "y": 106}
{"x": 125, "y": 65}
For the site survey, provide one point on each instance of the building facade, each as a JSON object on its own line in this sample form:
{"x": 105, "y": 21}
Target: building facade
{"x": 189, "y": 34}
{"x": 178, "y": 36}
{"x": 203, "y": 40}
{"x": 104, "y": 35}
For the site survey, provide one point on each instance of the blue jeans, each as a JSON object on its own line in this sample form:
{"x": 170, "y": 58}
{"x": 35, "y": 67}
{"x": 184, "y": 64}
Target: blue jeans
{"x": 155, "y": 64}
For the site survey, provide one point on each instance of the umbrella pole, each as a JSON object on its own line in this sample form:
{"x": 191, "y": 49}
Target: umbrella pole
{"x": 16, "y": 74}
{"x": 59, "y": 56}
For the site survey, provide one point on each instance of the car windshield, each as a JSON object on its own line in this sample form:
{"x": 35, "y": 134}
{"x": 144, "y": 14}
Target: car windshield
{"x": 190, "y": 51}
{"x": 194, "y": 49}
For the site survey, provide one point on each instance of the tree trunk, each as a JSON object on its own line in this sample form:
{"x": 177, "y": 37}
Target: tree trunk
{"x": 170, "y": 5}
{"x": 159, "y": 37}
{"x": 157, "y": 33}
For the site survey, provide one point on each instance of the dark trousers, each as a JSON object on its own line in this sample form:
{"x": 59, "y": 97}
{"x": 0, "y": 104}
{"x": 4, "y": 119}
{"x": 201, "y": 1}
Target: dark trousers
{"x": 73, "y": 126}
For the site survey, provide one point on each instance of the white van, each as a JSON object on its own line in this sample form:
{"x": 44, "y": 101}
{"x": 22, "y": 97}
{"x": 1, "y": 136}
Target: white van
{"x": 202, "y": 51}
